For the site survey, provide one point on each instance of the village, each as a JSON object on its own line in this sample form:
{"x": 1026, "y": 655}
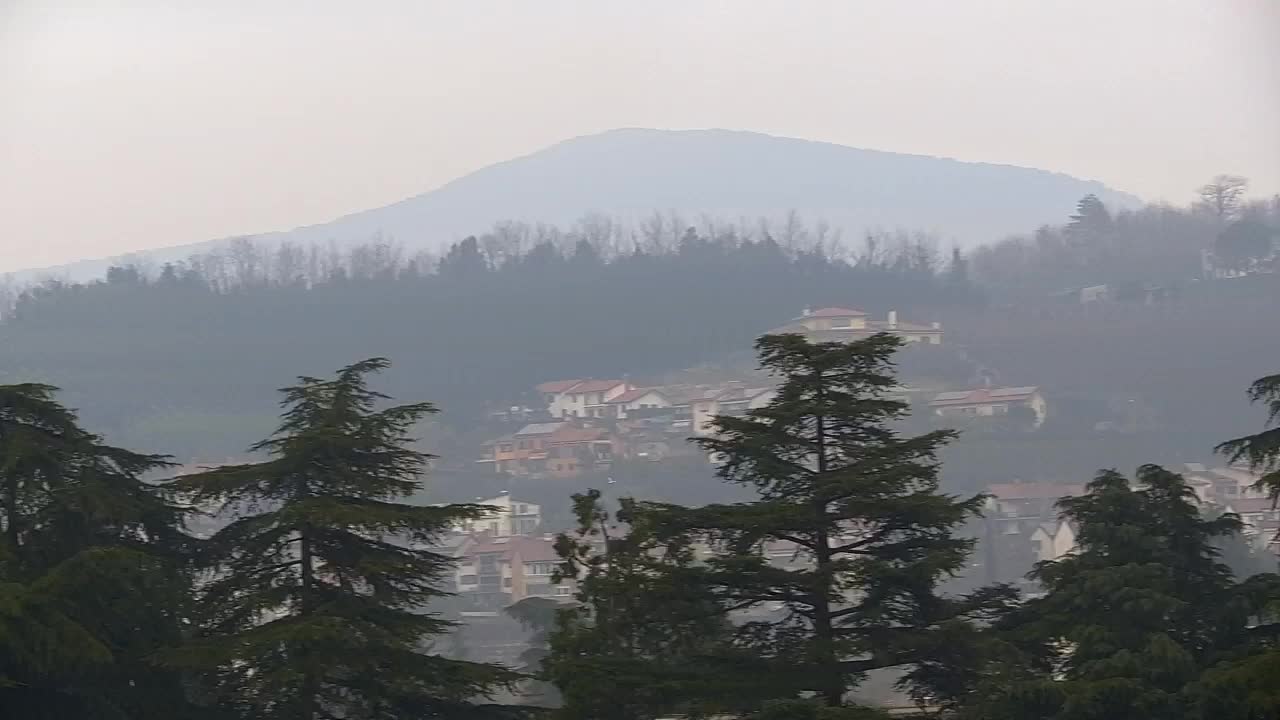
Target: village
{"x": 586, "y": 425}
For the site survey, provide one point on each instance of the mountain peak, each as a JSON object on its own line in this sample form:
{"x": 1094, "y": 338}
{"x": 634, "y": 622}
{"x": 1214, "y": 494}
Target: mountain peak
{"x": 630, "y": 173}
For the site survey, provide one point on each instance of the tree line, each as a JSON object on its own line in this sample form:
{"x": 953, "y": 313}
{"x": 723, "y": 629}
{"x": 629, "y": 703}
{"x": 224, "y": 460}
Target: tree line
{"x": 314, "y": 599}
{"x": 1158, "y": 244}
{"x": 180, "y": 357}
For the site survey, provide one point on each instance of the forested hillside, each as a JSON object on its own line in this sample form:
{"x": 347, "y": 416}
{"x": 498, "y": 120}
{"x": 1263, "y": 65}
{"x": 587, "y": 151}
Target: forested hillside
{"x": 183, "y": 358}
{"x": 186, "y": 359}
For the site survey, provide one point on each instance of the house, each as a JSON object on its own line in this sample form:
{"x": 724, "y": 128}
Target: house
{"x": 519, "y": 453}
{"x": 508, "y": 517}
{"x": 580, "y": 398}
{"x": 1053, "y": 540}
{"x": 989, "y": 402}
{"x": 491, "y": 573}
{"x": 1021, "y": 525}
{"x": 734, "y": 401}
{"x": 556, "y": 449}
{"x": 846, "y": 324}
{"x": 637, "y": 402}
{"x": 1223, "y": 485}
{"x": 573, "y": 450}
{"x": 1261, "y": 519}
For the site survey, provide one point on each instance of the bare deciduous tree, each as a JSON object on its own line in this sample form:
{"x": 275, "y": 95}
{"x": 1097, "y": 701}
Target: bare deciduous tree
{"x": 1222, "y": 196}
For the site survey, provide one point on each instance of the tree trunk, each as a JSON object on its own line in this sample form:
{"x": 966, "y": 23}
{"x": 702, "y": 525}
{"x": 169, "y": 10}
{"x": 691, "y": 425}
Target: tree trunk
{"x": 9, "y": 477}
{"x": 830, "y": 678}
{"x": 310, "y": 682}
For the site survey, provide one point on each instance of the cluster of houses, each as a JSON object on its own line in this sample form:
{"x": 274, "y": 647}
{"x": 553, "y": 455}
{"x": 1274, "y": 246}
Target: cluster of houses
{"x": 589, "y": 424}
{"x": 1022, "y": 525}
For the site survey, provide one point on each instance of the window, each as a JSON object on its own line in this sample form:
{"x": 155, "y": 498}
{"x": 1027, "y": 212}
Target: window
{"x": 563, "y": 591}
{"x": 467, "y": 580}
{"x": 504, "y": 447}
{"x": 506, "y": 582}
{"x": 523, "y": 445}
{"x": 522, "y": 509}
{"x": 539, "y": 568}
{"x": 841, "y": 322}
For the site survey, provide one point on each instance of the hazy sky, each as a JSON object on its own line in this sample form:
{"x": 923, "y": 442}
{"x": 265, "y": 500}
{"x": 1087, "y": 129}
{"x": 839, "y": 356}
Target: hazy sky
{"x": 126, "y": 125}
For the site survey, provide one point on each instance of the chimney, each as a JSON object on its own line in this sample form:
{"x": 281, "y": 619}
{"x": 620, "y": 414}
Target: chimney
{"x": 893, "y": 320}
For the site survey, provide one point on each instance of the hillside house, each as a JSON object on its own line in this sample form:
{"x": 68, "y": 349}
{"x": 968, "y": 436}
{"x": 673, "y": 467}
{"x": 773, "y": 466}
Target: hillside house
{"x": 1223, "y": 485}
{"x": 1261, "y": 519}
{"x": 637, "y": 402}
{"x": 558, "y": 449}
{"x": 508, "y": 517}
{"x": 990, "y": 402}
{"x": 491, "y": 573}
{"x": 845, "y": 325}
{"x": 581, "y": 398}
{"x": 1022, "y": 526}
{"x": 526, "y": 448}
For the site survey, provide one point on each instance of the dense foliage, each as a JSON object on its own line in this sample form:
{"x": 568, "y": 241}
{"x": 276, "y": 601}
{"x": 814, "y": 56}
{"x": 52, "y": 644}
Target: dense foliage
{"x": 91, "y": 571}
{"x": 316, "y": 602}
{"x": 1142, "y": 621}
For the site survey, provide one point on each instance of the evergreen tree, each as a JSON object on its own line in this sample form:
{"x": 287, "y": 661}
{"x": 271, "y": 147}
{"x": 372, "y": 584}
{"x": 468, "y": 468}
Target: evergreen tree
{"x": 647, "y": 638}
{"x": 1261, "y": 450}
{"x": 91, "y": 567}
{"x": 316, "y": 605}
{"x": 464, "y": 261}
{"x": 538, "y": 616}
{"x": 862, "y": 508}
{"x": 1131, "y": 619}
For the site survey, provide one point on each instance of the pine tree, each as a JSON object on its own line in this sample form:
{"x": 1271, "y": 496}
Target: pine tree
{"x": 861, "y": 506}
{"x": 317, "y": 602}
{"x": 93, "y": 570}
{"x": 538, "y": 616}
{"x": 1131, "y": 620}
{"x": 1261, "y": 450}
{"x": 647, "y": 637}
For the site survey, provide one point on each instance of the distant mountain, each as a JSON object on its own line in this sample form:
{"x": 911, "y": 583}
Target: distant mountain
{"x": 630, "y": 173}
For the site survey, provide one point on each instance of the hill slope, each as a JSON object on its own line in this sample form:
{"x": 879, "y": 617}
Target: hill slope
{"x": 631, "y": 173}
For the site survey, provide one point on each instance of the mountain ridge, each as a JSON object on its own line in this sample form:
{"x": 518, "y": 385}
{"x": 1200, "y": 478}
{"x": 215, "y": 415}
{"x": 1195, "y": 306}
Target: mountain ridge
{"x": 630, "y": 173}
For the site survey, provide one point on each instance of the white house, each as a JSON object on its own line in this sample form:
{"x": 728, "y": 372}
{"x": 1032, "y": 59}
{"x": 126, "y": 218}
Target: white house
{"x": 508, "y": 517}
{"x": 581, "y": 398}
{"x": 846, "y": 324}
{"x": 989, "y": 402}
{"x": 1053, "y": 540}
{"x": 637, "y": 399}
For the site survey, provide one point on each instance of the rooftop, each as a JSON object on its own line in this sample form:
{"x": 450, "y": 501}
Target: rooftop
{"x": 587, "y": 386}
{"x": 635, "y": 394}
{"x": 557, "y": 386}
{"x": 833, "y": 312}
{"x": 540, "y": 428}
{"x": 981, "y": 396}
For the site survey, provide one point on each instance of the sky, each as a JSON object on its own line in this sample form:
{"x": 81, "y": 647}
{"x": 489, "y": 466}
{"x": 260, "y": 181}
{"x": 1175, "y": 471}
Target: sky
{"x": 127, "y": 125}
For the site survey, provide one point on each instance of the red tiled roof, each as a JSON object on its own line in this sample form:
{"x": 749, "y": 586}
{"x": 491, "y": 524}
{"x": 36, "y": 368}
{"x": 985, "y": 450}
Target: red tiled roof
{"x": 534, "y": 549}
{"x": 832, "y": 312}
{"x": 587, "y": 386}
{"x": 1034, "y": 491}
{"x": 635, "y": 394}
{"x": 557, "y": 386}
